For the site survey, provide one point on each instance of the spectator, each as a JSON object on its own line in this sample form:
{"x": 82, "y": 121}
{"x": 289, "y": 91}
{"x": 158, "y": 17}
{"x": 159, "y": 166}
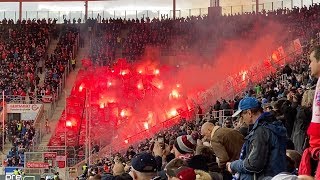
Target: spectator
{"x": 171, "y": 168}
{"x": 144, "y": 166}
{"x": 311, "y": 154}
{"x": 226, "y": 143}
{"x": 267, "y": 136}
{"x": 304, "y": 114}
{"x": 184, "y": 146}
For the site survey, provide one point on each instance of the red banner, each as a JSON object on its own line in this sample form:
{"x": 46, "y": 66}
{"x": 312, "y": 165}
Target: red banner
{"x": 37, "y": 165}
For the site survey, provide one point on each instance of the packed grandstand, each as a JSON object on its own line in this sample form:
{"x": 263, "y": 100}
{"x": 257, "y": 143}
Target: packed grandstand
{"x": 162, "y": 98}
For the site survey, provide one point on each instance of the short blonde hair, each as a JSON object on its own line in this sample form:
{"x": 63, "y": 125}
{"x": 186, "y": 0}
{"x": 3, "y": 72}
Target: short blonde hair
{"x": 307, "y": 98}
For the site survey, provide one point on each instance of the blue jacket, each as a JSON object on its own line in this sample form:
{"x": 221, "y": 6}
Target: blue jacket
{"x": 264, "y": 151}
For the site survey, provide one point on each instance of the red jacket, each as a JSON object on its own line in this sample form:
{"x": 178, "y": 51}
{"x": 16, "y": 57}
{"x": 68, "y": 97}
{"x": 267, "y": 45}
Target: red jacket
{"x": 305, "y": 164}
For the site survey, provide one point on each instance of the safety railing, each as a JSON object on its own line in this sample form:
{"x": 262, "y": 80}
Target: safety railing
{"x": 217, "y": 116}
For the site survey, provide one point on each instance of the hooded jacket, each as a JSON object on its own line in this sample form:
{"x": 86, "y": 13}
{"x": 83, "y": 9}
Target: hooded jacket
{"x": 264, "y": 152}
{"x": 226, "y": 144}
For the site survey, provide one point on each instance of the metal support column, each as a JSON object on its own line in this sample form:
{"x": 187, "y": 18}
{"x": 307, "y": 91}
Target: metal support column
{"x": 257, "y": 6}
{"x": 174, "y": 9}
{"x": 86, "y": 10}
{"x": 20, "y": 10}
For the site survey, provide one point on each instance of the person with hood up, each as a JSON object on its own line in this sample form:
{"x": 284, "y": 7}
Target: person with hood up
{"x": 264, "y": 151}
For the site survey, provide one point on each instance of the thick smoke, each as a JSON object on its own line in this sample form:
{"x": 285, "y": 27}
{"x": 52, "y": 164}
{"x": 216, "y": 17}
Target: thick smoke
{"x": 198, "y": 71}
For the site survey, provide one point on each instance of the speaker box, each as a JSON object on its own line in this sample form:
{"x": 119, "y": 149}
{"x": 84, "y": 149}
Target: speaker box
{"x": 214, "y": 11}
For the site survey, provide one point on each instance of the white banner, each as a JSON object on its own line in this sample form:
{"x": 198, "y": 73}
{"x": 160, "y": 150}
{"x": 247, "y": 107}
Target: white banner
{"x": 27, "y": 111}
{"x": 23, "y": 108}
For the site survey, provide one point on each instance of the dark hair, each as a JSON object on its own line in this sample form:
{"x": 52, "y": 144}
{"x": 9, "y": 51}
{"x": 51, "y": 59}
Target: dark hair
{"x": 207, "y": 152}
{"x": 316, "y": 50}
{"x": 173, "y": 165}
{"x": 256, "y": 110}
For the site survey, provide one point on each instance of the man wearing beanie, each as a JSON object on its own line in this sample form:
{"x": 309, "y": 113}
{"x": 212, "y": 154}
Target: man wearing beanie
{"x": 264, "y": 151}
{"x": 311, "y": 154}
{"x": 184, "y": 146}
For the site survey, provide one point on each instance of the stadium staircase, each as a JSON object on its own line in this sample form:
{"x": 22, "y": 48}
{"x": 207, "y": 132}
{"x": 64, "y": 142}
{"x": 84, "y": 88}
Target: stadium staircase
{"x": 123, "y": 36}
{"x": 51, "y": 48}
{"x": 82, "y": 53}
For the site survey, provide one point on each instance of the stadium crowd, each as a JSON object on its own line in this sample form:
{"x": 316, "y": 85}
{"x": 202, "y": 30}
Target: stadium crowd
{"x": 20, "y": 134}
{"x": 200, "y": 149}
{"x": 177, "y": 36}
{"x": 266, "y": 139}
{"x": 22, "y": 48}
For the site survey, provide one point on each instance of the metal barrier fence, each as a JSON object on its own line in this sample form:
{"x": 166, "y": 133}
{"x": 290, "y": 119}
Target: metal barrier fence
{"x": 134, "y": 14}
{"x": 33, "y": 159}
{"x": 217, "y": 116}
{"x": 38, "y": 155}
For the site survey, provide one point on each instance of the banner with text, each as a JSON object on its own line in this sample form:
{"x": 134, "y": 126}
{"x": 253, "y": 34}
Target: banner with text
{"x": 27, "y": 111}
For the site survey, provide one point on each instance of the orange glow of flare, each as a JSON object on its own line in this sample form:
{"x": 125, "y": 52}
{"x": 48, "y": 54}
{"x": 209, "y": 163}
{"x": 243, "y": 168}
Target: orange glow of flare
{"x": 105, "y": 100}
{"x": 109, "y": 84}
{"x": 126, "y": 141}
{"x": 81, "y": 87}
{"x": 124, "y": 72}
{"x": 178, "y": 85}
{"x": 150, "y": 115}
{"x": 140, "y": 86}
{"x": 174, "y": 94}
{"x": 146, "y": 125}
{"x": 69, "y": 124}
{"x": 156, "y": 72}
{"x": 140, "y": 71}
{"x": 159, "y": 85}
{"x": 101, "y": 105}
{"x": 244, "y": 74}
{"x": 123, "y": 113}
{"x": 173, "y": 113}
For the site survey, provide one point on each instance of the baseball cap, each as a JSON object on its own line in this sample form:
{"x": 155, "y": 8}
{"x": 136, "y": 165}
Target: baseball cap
{"x": 144, "y": 162}
{"x": 245, "y": 104}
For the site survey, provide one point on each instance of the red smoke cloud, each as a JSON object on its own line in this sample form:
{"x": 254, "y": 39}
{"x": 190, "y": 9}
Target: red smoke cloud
{"x": 144, "y": 95}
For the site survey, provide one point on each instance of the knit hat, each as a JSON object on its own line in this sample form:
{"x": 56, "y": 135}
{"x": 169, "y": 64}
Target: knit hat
{"x": 185, "y": 173}
{"x": 186, "y": 143}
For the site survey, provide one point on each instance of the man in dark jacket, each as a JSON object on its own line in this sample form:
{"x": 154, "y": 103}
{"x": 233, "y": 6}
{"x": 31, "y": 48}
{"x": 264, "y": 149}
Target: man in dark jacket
{"x": 264, "y": 152}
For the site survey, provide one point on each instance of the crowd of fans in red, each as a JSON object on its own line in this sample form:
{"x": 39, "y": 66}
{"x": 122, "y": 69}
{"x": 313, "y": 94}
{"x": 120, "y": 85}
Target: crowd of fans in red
{"x": 23, "y": 47}
{"x": 24, "y": 58}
